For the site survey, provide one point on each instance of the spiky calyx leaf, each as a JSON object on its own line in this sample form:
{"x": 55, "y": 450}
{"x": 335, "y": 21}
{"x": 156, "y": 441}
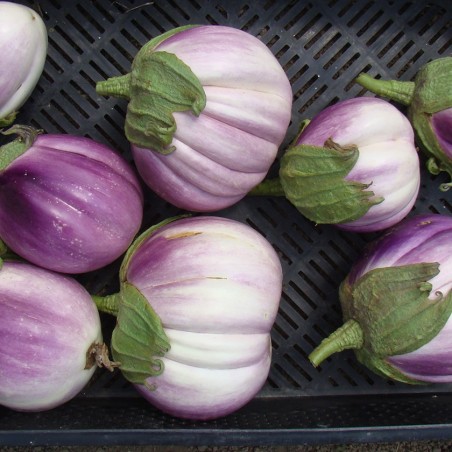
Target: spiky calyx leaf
{"x": 391, "y": 309}
{"x": 313, "y": 179}
{"x": 138, "y": 341}
{"x": 158, "y": 85}
{"x": 430, "y": 93}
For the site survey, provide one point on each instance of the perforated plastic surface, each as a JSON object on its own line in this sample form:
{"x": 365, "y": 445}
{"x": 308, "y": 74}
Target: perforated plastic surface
{"x": 322, "y": 46}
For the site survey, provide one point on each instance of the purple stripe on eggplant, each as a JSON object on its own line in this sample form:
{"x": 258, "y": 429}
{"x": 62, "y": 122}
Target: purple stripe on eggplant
{"x": 49, "y": 322}
{"x": 69, "y": 204}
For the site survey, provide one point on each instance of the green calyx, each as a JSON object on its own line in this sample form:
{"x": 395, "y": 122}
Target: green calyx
{"x": 313, "y": 179}
{"x": 139, "y": 340}
{"x": 430, "y": 93}
{"x": 158, "y": 85}
{"x": 387, "y": 312}
{"x": 10, "y": 151}
{"x": 8, "y": 120}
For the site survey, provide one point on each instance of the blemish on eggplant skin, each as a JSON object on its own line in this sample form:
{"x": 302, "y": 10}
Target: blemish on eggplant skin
{"x": 182, "y": 235}
{"x": 425, "y": 223}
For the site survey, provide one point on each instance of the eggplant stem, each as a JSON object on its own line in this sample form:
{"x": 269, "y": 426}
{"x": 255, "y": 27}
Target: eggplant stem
{"x": 115, "y": 86}
{"x": 269, "y": 187}
{"x": 401, "y": 92}
{"x": 98, "y": 354}
{"x": 108, "y": 303}
{"x": 348, "y": 336}
{"x": 445, "y": 186}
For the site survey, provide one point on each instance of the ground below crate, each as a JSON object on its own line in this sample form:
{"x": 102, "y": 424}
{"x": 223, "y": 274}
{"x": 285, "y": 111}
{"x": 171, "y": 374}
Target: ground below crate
{"x": 418, "y": 446}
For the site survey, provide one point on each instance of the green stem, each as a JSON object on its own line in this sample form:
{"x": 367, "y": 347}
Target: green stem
{"x": 349, "y": 335}
{"x": 269, "y": 187}
{"x": 445, "y": 186}
{"x": 115, "y": 86}
{"x": 10, "y": 151}
{"x": 108, "y": 303}
{"x": 401, "y": 92}
{"x": 8, "y": 120}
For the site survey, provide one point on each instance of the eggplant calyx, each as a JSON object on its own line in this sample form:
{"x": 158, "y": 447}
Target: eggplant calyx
{"x": 138, "y": 341}
{"x": 314, "y": 180}
{"x": 98, "y": 354}
{"x": 10, "y": 151}
{"x": 159, "y": 85}
{"x": 348, "y": 336}
{"x": 268, "y": 187}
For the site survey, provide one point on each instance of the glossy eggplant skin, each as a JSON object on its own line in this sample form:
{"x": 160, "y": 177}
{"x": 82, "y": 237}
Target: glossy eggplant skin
{"x": 423, "y": 238}
{"x": 216, "y": 284}
{"x": 49, "y": 323}
{"x": 69, "y": 204}
{"x": 218, "y": 152}
{"x": 387, "y": 165}
{"x": 23, "y": 47}
{"x": 397, "y": 304}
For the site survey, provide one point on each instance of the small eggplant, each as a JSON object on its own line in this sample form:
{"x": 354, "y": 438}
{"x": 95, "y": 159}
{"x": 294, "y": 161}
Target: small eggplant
{"x": 397, "y": 304}
{"x": 354, "y": 165}
{"x": 198, "y": 298}
{"x": 429, "y": 101}
{"x": 208, "y": 109}
{"x": 23, "y": 50}
{"x": 67, "y": 203}
{"x": 50, "y": 338}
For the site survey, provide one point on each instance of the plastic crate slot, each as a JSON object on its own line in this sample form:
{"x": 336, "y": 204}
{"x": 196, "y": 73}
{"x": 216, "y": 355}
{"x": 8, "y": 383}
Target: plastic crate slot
{"x": 279, "y": 335}
{"x": 368, "y": 25}
{"x": 90, "y": 19}
{"x": 145, "y": 33}
{"x": 440, "y": 33}
{"x": 346, "y": 377}
{"x": 60, "y": 50}
{"x": 298, "y": 369}
{"x": 336, "y": 56}
{"x": 330, "y": 43}
{"x": 294, "y": 306}
{"x": 296, "y": 247}
{"x": 360, "y": 371}
{"x": 74, "y": 104}
{"x": 318, "y": 93}
{"x": 303, "y": 294}
{"x": 299, "y": 229}
{"x": 113, "y": 61}
{"x": 156, "y": 24}
{"x": 346, "y": 66}
{"x": 410, "y": 63}
{"x": 322, "y": 273}
{"x": 291, "y": 323}
{"x": 285, "y": 10}
{"x": 102, "y": 74}
{"x": 83, "y": 93}
{"x": 250, "y": 23}
{"x": 133, "y": 41}
{"x": 286, "y": 375}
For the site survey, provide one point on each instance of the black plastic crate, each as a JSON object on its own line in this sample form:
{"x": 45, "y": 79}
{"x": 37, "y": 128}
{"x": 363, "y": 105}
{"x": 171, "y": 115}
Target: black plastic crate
{"x": 323, "y": 46}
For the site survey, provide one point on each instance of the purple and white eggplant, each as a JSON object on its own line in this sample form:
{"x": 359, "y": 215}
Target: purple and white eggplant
{"x": 67, "y": 203}
{"x": 50, "y": 338}
{"x": 23, "y": 50}
{"x": 208, "y": 108}
{"x": 397, "y": 304}
{"x": 197, "y": 302}
{"x": 429, "y": 102}
{"x": 346, "y": 149}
